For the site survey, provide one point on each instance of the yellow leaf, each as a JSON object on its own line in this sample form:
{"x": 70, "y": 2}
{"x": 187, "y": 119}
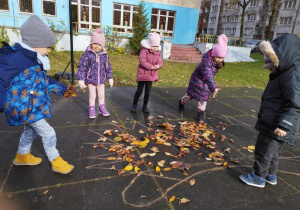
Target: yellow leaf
{"x": 118, "y": 138}
{"x": 144, "y": 155}
{"x": 167, "y": 144}
{"x": 251, "y": 147}
{"x": 161, "y": 163}
{"x": 128, "y": 168}
{"x": 111, "y": 158}
{"x": 184, "y": 200}
{"x": 157, "y": 168}
{"x": 143, "y": 144}
{"x": 152, "y": 154}
{"x": 172, "y": 199}
{"x": 137, "y": 169}
{"x": 167, "y": 169}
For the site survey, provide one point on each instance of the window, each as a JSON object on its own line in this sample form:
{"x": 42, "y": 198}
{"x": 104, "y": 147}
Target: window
{"x": 89, "y": 14}
{"x": 227, "y": 31}
{"x": 224, "y": 19}
{"x": 251, "y": 17}
{"x": 162, "y": 22}
{"x": 4, "y": 5}
{"x": 254, "y": 3}
{"x": 230, "y": 18}
{"x": 213, "y": 19}
{"x": 231, "y": 6}
{"x": 211, "y": 31}
{"x": 248, "y": 31}
{"x": 25, "y": 6}
{"x": 49, "y": 7}
{"x": 123, "y": 17}
{"x": 215, "y": 8}
{"x": 236, "y": 18}
{"x": 285, "y": 20}
{"x": 289, "y": 4}
{"x": 233, "y": 31}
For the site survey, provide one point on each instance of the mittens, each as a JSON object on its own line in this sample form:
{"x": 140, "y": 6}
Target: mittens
{"x": 71, "y": 92}
{"x": 81, "y": 84}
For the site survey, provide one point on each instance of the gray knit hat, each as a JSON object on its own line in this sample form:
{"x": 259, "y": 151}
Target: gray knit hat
{"x": 35, "y": 33}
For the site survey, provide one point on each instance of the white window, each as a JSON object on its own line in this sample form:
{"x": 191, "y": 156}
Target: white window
{"x": 248, "y": 31}
{"x": 211, "y": 31}
{"x": 236, "y": 18}
{"x": 49, "y": 7}
{"x": 215, "y": 8}
{"x": 213, "y": 19}
{"x": 124, "y": 16}
{"x": 251, "y": 17}
{"x": 233, "y": 31}
{"x": 230, "y": 18}
{"x": 89, "y": 14}
{"x": 25, "y": 6}
{"x": 163, "y": 22}
{"x": 227, "y": 31}
{"x": 285, "y": 20}
{"x": 4, "y": 5}
{"x": 289, "y": 4}
{"x": 231, "y": 6}
{"x": 254, "y": 3}
{"x": 224, "y": 19}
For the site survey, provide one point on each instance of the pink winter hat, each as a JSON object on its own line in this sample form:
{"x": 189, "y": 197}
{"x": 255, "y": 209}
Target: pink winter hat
{"x": 154, "y": 39}
{"x": 98, "y": 37}
{"x": 220, "y": 49}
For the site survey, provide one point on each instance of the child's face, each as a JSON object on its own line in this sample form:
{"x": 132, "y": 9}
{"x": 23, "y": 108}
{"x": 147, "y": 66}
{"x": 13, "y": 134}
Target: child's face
{"x": 154, "y": 48}
{"x": 97, "y": 47}
{"x": 218, "y": 60}
{"x": 43, "y": 51}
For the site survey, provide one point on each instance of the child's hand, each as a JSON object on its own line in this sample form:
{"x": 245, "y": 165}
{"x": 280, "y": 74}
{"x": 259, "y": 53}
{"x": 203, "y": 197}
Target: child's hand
{"x": 215, "y": 93}
{"x": 81, "y": 84}
{"x": 111, "y": 82}
{"x": 279, "y": 132}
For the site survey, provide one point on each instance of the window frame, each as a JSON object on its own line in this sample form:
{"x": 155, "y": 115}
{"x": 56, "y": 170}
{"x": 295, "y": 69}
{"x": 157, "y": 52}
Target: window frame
{"x": 254, "y": 3}
{"x": 47, "y": 15}
{"x": 90, "y": 23}
{"x": 250, "y": 17}
{"x": 124, "y": 29}
{"x": 25, "y": 13}
{"x": 3, "y": 10}
{"x": 165, "y": 30}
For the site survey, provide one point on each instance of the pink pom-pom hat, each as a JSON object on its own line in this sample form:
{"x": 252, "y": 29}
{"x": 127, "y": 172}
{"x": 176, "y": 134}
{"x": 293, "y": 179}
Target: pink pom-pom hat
{"x": 98, "y": 37}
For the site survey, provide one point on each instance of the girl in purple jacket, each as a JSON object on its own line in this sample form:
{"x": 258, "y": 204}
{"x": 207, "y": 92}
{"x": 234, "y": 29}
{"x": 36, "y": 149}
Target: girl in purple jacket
{"x": 150, "y": 62}
{"x": 93, "y": 69}
{"x": 202, "y": 80}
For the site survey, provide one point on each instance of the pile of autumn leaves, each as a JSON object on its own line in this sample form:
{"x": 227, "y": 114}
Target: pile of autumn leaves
{"x": 191, "y": 135}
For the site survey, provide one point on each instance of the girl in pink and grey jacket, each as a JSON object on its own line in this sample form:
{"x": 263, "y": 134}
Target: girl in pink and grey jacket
{"x": 94, "y": 67}
{"x": 150, "y": 63}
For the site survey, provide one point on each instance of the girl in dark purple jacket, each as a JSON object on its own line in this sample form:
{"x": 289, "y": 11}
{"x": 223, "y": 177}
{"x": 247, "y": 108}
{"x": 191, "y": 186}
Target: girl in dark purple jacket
{"x": 202, "y": 80}
{"x": 150, "y": 62}
{"x": 94, "y": 67}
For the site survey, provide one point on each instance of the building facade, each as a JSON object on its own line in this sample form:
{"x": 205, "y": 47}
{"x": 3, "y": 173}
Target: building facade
{"x": 255, "y": 20}
{"x": 174, "y": 20}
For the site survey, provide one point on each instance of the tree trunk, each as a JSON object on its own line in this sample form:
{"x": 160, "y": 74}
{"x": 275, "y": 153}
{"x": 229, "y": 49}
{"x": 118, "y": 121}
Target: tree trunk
{"x": 220, "y": 22}
{"x": 242, "y": 22}
{"x": 273, "y": 16}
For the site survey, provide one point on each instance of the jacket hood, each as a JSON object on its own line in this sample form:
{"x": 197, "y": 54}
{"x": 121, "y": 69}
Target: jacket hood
{"x": 89, "y": 49}
{"x": 287, "y": 49}
{"x": 145, "y": 44}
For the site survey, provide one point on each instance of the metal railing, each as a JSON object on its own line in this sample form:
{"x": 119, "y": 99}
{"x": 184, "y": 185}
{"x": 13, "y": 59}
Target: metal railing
{"x": 232, "y": 41}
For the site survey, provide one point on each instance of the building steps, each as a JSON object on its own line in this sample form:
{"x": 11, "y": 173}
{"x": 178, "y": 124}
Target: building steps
{"x": 185, "y": 53}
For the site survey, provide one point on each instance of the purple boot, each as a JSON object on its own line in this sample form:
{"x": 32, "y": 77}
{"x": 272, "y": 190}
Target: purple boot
{"x": 92, "y": 112}
{"x": 103, "y": 110}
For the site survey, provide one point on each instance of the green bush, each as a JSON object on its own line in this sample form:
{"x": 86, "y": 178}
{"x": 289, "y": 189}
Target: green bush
{"x": 3, "y": 36}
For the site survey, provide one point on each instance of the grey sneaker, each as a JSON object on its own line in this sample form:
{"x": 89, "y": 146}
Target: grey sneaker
{"x": 253, "y": 180}
{"x": 271, "y": 179}
{"x": 103, "y": 110}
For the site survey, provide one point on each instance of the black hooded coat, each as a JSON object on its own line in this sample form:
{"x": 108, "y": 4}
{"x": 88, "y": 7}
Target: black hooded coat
{"x": 280, "y": 102}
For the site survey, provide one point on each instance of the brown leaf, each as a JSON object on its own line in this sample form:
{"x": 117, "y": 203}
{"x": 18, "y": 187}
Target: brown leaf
{"x": 234, "y": 160}
{"x": 192, "y": 182}
{"x": 113, "y": 167}
{"x": 121, "y": 171}
{"x": 46, "y": 192}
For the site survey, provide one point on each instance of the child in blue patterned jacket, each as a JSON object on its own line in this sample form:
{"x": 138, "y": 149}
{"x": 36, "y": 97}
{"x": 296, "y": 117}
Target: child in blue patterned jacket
{"x": 93, "y": 69}
{"x": 24, "y": 92}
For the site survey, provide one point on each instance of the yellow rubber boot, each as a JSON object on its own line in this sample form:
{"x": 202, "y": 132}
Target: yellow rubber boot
{"x": 26, "y": 160}
{"x": 61, "y": 166}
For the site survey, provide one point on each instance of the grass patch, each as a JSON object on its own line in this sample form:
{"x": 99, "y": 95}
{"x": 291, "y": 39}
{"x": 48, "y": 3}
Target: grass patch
{"x": 173, "y": 74}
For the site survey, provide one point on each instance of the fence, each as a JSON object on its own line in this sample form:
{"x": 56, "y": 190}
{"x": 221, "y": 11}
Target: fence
{"x": 232, "y": 41}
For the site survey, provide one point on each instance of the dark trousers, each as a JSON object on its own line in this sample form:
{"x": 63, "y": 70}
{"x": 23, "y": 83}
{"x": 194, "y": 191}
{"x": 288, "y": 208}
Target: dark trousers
{"x": 139, "y": 91}
{"x": 266, "y": 155}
